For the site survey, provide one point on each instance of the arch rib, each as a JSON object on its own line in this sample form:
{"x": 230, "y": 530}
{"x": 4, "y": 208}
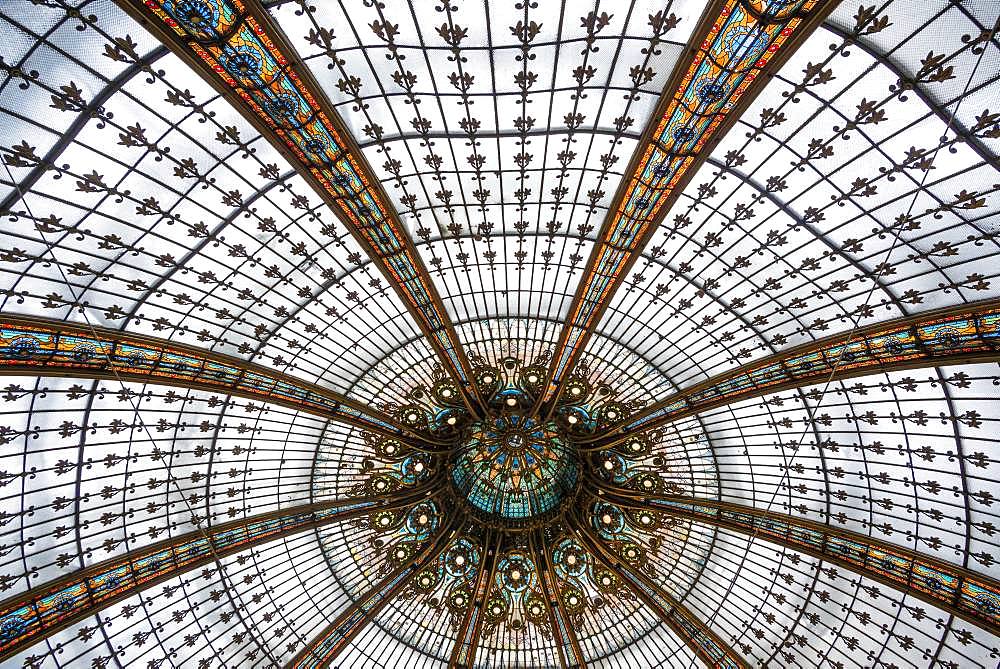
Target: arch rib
{"x": 463, "y": 653}
{"x": 703, "y": 99}
{"x": 567, "y": 643}
{"x": 969, "y": 595}
{"x": 335, "y": 637}
{"x": 961, "y": 334}
{"x": 33, "y": 615}
{"x": 47, "y": 347}
{"x": 700, "y": 639}
{"x": 276, "y": 93}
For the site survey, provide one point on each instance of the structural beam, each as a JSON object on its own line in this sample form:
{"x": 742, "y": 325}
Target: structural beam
{"x": 240, "y": 50}
{"x": 31, "y": 616}
{"x": 44, "y": 347}
{"x": 463, "y": 654}
{"x": 958, "y": 591}
{"x": 702, "y": 641}
{"x": 716, "y": 80}
{"x": 336, "y": 636}
{"x": 567, "y": 643}
{"x": 962, "y": 334}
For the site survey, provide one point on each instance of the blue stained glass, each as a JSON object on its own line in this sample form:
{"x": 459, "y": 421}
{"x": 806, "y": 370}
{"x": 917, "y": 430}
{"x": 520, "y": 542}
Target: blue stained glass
{"x": 514, "y": 467}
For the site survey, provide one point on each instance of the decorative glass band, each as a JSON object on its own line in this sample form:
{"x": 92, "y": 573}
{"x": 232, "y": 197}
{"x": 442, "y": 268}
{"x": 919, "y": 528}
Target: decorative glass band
{"x": 973, "y": 596}
{"x": 739, "y": 44}
{"x": 238, "y": 51}
{"x": 969, "y": 330}
{"x": 33, "y": 615}
{"x": 46, "y": 347}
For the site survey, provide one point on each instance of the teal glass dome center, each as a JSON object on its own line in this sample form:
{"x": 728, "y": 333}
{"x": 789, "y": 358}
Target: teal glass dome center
{"x": 515, "y": 469}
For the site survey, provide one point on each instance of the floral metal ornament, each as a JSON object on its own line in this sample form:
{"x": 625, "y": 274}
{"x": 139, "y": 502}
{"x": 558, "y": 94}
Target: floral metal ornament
{"x": 419, "y": 544}
{"x": 551, "y": 495}
{"x": 615, "y": 547}
{"x": 238, "y": 48}
{"x": 44, "y": 610}
{"x": 971, "y": 596}
{"x": 960, "y": 334}
{"x": 736, "y": 43}
{"x": 49, "y": 347}
{"x": 519, "y": 566}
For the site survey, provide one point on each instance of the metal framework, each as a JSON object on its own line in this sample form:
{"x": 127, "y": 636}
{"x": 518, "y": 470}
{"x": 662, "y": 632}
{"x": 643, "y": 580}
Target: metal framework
{"x": 919, "y": 88}
{"x": 703, "y": 642}
{"x": 567, "y": 643}
{"x": 46, "y": 609}
{"x": 57, "y": 348}
{"x": 324, "y": 649}
{"x": 701, "y": 102}
{"x": 971, "y": 596}
{"x": 965, "y": 333}
{"x": 463, "y": 653}
{"x": 66, "y": 139}
{"x": 239, "y": 50}
{"x": 276, "y": 82}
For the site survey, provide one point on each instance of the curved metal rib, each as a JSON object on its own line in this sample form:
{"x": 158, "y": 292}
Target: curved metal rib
{"x": 963, "y": 333}
{"x": 963, "y": 593}
{"x": 68, "y": 136}
{"x": 45, "y": 347}
{"x": 35, "y": 614}
{"x": 703, "y": 99}
{"x": 906, "y": 79}
{"x": 336, "y": 636}
{"x": 702, "y": 641}
{"x": 239, "y": 49}
{"x": 567, "y": 643}
{"x": 463, "y": 654}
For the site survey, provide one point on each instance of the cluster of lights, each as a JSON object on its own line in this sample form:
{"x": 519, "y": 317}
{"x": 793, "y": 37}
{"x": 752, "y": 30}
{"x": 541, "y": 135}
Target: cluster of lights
{"x": 510, "y": 435}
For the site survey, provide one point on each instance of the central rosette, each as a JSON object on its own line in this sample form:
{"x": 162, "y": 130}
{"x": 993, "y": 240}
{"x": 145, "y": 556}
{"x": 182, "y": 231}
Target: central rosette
{"x": 513, "y": 469}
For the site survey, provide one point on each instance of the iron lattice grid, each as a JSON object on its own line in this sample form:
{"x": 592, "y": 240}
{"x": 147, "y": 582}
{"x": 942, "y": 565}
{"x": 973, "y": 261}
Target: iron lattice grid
{"x": 718, "y": 312}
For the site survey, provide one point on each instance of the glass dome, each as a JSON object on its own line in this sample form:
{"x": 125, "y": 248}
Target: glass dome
{"x": 499, "y": 334}
{"x": 514, "y": 468}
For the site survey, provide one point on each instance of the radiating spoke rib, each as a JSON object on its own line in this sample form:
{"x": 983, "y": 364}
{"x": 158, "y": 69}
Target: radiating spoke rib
{"x": 463, "y": 654}
{"x": 702, "y": 641}
{"x": 35, "y": 614}
{"x": 703, "y": 99}
{"x": 242, "y": 52}
{"x": 567, "y": 643}
{"x": 963, "y": 593}
{"x": 960, "y": 334}
{"x": 336, "y": 636}
{"x": 44, "y": 347}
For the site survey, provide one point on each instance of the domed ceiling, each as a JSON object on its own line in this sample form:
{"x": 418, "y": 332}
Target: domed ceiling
{"x": 510, "y": 333}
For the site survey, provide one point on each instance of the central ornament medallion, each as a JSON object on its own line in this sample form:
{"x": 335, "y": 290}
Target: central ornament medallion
{"x": 513, "y": 470}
